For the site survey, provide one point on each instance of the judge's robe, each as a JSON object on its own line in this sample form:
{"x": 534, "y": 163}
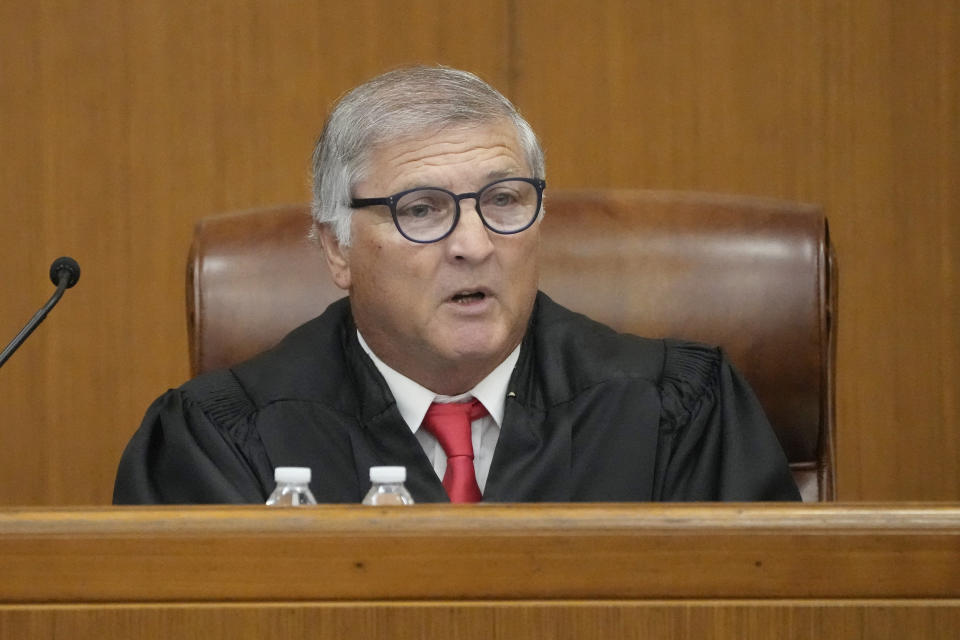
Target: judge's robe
{"x": 590, "y": 415}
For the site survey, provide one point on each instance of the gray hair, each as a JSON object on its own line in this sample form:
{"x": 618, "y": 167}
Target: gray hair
{"x": 401, "y": 103}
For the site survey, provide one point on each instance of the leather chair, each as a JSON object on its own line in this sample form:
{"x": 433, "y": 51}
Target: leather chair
{"x": 754, "y": 276}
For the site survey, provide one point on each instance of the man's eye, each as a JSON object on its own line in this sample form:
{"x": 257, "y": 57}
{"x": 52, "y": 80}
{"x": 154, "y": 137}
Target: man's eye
{"x": 501, "y": 199}
{"x": 418, "y": 210}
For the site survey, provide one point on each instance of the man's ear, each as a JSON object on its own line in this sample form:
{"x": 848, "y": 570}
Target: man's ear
{"x": 337, "y": 257}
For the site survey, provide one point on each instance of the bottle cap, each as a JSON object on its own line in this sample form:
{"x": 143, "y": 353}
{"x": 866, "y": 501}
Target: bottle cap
{"x": 294, "y": 475}
{"x": 388, "y": 474}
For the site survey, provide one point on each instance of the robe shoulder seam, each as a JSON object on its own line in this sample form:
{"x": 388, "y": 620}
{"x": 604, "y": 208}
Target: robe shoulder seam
{"x": 221, "y": 397}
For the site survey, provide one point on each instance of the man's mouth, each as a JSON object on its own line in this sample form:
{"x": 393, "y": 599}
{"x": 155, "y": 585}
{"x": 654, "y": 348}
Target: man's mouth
{"x": 466, "y": 297}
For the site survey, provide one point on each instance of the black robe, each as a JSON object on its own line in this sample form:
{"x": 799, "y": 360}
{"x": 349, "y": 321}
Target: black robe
{"x": 590, "y": 415}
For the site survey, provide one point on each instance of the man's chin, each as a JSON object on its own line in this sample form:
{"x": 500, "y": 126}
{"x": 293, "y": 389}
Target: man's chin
{"x": 480, "y": 347}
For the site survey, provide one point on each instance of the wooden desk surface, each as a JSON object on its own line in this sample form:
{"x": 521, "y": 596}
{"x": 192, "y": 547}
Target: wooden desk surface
{"x": 492, "y": 571}
{"x": 455, "y": 552}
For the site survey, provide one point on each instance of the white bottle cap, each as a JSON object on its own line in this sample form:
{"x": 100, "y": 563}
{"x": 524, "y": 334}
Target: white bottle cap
{"x": 388, "y": 474}
{"x": 294, "y": 475}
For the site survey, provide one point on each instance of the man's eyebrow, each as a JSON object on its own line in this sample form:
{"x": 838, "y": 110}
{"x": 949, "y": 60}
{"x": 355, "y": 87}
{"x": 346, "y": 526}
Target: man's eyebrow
{"x": 503, "y": 173}
{"x": 489, "y": 177}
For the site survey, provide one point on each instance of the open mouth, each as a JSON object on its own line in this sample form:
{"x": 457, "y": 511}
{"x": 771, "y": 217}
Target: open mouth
{"x": 468, "y": 297}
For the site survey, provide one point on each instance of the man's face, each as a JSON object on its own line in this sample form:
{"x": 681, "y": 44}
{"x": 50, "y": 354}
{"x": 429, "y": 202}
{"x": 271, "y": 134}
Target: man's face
{"x": 446, "y": 313}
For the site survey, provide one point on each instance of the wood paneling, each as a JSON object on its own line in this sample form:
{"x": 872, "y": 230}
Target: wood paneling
{"x": 854, "y": 105}
{"x": 123, "y": 122}
{"x": 514, "y": 620}
{"x": 466, "y": 552}
{"x": 494, "y": 571}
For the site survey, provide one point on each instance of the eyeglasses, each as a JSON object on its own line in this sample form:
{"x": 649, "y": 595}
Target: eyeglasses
{"x": 430, "y": 214}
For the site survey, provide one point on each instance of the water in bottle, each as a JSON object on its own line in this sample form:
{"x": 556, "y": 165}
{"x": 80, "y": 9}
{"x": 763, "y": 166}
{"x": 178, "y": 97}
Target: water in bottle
{"x": 387, "y": 487}
{"x": 293, "y": 488}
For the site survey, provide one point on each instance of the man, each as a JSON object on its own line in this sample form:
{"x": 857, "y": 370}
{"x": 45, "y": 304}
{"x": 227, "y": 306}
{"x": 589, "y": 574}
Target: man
{"x": 444, "y": 358}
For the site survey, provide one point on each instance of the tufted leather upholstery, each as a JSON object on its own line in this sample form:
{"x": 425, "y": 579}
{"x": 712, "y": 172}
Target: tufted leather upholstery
{"x": 755, "y": 276}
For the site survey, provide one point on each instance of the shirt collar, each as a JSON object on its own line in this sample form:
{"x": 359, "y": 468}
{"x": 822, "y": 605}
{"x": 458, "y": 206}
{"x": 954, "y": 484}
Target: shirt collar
{"x": 413, "y": 399}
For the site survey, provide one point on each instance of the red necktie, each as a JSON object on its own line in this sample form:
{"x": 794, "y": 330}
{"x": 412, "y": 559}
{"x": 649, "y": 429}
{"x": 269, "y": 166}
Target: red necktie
{"x": 450, "y": 424}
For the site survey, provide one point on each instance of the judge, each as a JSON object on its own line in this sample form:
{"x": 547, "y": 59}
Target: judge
{"x": 444, "y": 357}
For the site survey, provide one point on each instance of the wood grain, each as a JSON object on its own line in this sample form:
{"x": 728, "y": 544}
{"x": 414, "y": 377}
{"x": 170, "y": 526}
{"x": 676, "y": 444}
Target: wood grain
{"x": 456, "y": 552}
{"x": 491, "y": 571}
{"x": 514, "y": 620}
{"x": 123, "y": 123}
{"x": 854, "y": 105}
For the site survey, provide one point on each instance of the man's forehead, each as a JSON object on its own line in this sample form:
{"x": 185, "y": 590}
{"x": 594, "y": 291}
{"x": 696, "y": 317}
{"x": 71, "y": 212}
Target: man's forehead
{"x": 485, "y": 152}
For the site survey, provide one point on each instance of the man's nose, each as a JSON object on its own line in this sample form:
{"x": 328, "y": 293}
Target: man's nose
{"x": 470, "y": 240}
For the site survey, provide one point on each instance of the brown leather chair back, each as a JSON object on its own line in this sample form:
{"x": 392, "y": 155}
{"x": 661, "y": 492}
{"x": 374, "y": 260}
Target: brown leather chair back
{"x": 755, "y": 276}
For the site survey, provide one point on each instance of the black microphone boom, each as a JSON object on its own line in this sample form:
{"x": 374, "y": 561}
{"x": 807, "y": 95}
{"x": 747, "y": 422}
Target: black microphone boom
{"x": 64, "y": 272}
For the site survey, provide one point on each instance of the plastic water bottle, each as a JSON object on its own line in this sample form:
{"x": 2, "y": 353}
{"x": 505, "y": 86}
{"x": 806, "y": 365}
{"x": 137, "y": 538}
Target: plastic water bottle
{"x": 388, "y": 487}
{"x": 293, "y": 488}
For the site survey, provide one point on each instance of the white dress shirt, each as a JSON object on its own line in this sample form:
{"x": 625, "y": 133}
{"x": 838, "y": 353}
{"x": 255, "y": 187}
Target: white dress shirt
{"x": 414, "y": 399}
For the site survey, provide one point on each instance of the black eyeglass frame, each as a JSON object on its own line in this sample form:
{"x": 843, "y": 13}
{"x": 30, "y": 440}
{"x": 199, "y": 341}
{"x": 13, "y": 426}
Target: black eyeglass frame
{"x": 391, "y": 201}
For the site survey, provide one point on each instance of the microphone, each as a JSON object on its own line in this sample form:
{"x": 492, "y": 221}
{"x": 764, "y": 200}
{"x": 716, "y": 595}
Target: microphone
{"x": 65, "y": 267}
{"x": 64, "y": 272}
